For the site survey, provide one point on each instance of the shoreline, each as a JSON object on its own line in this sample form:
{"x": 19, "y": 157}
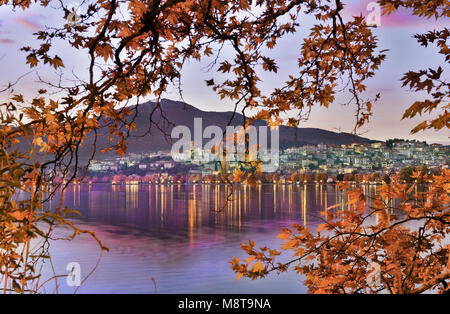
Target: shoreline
{"x": 225, "y": 183}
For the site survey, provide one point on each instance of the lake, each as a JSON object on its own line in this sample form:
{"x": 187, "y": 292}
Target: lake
{"x": 182, "y": 236}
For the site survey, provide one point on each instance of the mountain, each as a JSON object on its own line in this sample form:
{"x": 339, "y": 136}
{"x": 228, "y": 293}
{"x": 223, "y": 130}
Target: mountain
{"x": 180, "y": 113}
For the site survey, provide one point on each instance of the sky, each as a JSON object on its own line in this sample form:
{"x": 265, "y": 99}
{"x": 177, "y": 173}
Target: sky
{"x": 395, "y": 33}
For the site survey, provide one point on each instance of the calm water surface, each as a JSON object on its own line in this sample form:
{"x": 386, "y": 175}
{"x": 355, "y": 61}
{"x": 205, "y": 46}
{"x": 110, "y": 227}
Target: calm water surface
{"x": 183, "y": 236}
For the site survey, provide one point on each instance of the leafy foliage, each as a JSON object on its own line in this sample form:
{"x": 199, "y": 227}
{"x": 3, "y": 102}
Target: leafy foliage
{"x": 409, "y": 240}
{"x": 431, "y": 81}
{"x": 138, "y": 48}
{"x": 23, "y": 219}
{"x": 403, "y": 228}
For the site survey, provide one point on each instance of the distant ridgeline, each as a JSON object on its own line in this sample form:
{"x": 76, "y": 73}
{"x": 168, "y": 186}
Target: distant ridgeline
{"x": 179, "y": 113}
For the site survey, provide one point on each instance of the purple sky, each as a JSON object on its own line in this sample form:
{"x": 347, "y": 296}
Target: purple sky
{"x": 395, "y": 34}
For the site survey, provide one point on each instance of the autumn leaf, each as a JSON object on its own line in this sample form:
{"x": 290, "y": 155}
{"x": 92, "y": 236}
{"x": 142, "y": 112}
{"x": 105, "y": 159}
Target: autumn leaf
{"x": 18, "y": 98}
{"x": 19, "y": 215}
{"x": 32, "y": 60}
{"x": 257, "y": 267}
{"x": 57, "y": 62}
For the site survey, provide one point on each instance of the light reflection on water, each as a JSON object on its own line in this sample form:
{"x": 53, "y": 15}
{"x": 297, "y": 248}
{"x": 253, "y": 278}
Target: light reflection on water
{"x": 184, "y": 235}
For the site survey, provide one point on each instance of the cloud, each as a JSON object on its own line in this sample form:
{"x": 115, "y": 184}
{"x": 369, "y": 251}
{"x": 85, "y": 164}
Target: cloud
{"x": 400, "y": 18}
{"x": 5, "y": 41}
{"x": 29, "y": 22}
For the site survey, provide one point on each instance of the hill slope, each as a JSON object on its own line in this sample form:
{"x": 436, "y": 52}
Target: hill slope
{"x": 180, "y": 113}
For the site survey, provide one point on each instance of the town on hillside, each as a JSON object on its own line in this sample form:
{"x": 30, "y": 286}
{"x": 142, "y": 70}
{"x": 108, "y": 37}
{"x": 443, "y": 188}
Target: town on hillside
{"x": 321, "y": 163}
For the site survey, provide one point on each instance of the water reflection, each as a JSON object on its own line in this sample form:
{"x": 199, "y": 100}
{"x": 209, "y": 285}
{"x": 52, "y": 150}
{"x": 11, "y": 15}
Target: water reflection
{"x": 188, "y": 208}
{"x": 184, "y": 235}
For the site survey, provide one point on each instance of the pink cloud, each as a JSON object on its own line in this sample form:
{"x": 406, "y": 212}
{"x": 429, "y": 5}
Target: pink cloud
{"x": 29, "y": 22}
{"x": 400, "y": 18}
{"x": 5, "y": 41}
